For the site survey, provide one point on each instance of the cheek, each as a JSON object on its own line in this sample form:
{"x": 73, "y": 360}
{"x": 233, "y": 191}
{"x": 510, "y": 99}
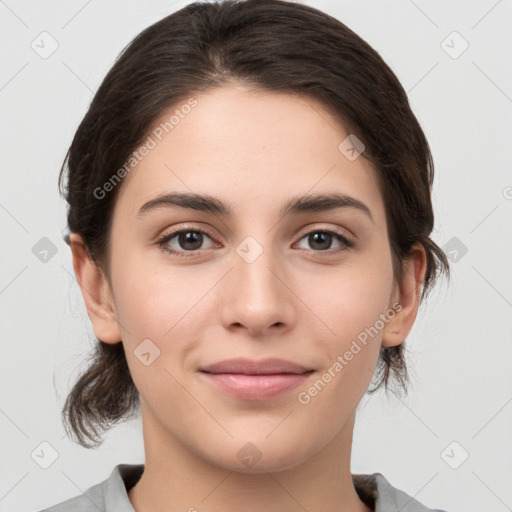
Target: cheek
{"x": 150, "y": 301}
{"x": 352, "y": 300}
{"x": 157, "y": 316}
{"x": 352, "y": 308}
{"x": 165, "y": 306}
{"x": 352, "y": 304}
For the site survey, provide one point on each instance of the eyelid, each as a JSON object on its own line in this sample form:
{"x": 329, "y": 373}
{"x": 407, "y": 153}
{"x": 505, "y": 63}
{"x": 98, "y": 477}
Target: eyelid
{"x": 176, "y": 231}
{"x": 322, "y": 227}
{"x": 307, "y": 230}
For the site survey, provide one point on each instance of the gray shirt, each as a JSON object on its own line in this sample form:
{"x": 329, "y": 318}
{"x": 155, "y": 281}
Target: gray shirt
{"x": 111, "y": 495}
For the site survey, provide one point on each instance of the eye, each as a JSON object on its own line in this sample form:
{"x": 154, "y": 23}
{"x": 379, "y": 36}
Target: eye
{"x": 187, "y": 239}
{"x": 321, "y": 240}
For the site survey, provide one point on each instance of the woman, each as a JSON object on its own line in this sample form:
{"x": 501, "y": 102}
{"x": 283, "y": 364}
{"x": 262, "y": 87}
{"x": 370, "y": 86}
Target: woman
{"x": 280, "y": 146}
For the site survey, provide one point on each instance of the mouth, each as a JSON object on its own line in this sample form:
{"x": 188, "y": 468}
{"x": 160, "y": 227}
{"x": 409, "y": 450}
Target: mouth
{"x": 255, "y": 380}
{"x": 250, "y": 367}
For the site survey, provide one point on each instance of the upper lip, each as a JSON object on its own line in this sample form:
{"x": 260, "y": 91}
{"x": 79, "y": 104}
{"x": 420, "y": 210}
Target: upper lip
{"x": 270, "y": 366}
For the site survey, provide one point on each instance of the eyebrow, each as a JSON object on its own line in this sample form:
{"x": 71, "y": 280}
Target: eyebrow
{"x": 295, "y": 205}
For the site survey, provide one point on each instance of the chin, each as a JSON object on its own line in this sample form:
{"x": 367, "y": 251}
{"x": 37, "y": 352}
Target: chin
{"x": 259, "y": 455}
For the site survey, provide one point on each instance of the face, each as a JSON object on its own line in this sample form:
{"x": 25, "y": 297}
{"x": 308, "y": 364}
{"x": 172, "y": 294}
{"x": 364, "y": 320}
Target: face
{"x": 195, "y": 287}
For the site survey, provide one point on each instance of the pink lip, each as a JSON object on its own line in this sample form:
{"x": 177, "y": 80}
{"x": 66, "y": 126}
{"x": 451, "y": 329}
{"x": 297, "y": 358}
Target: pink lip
{"x": 255, "y": 380}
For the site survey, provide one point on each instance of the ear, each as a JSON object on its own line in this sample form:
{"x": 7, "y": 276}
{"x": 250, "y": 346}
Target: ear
{"x": 96, "y": 292}
{"x": 407, "y": 294}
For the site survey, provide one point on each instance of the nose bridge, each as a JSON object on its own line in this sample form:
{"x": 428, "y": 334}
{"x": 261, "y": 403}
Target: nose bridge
{"x": 257, "y": 297}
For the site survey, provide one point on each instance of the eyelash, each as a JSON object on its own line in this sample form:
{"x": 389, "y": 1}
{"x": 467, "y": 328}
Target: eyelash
{"x": 164, "y": 239}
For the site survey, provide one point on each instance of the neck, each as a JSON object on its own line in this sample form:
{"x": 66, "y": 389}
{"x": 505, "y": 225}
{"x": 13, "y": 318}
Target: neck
{"x": 175, "y": 479}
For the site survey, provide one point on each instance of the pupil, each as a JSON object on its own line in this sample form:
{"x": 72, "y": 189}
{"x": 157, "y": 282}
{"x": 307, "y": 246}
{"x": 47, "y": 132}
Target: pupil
{"x": 319, "y": 237}
{"x": 191, "y": 237}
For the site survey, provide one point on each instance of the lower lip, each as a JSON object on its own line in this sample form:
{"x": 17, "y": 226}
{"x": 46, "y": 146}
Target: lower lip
{"x": 255, "y": 387}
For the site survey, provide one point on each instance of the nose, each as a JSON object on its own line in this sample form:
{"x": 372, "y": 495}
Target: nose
{"x": 257, "y": 296}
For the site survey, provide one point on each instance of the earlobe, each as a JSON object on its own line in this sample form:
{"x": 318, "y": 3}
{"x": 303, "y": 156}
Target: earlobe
{"x": 95, "y": 291}
{"x": 406, "y": 298}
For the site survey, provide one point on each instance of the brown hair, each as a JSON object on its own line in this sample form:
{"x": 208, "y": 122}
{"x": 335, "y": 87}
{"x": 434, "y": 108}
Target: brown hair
{"x": 275, "y": 45}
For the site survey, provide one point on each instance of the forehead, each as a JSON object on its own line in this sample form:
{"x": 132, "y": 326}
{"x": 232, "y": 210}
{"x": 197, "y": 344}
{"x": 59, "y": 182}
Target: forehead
{"x": 249, "y": 147}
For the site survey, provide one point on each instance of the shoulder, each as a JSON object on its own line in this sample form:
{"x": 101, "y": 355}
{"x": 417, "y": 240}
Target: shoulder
{"x": 91, "y": 500}
{"x": 109, "y": 495}
{"x": 378, "y": 493}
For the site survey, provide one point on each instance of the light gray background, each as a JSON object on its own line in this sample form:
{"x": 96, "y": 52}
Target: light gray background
{"x": 460, "y": 349}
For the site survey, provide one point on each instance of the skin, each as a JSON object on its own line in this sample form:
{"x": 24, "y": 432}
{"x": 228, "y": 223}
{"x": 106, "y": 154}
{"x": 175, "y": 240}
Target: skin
{"x": 252, "y": 149}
